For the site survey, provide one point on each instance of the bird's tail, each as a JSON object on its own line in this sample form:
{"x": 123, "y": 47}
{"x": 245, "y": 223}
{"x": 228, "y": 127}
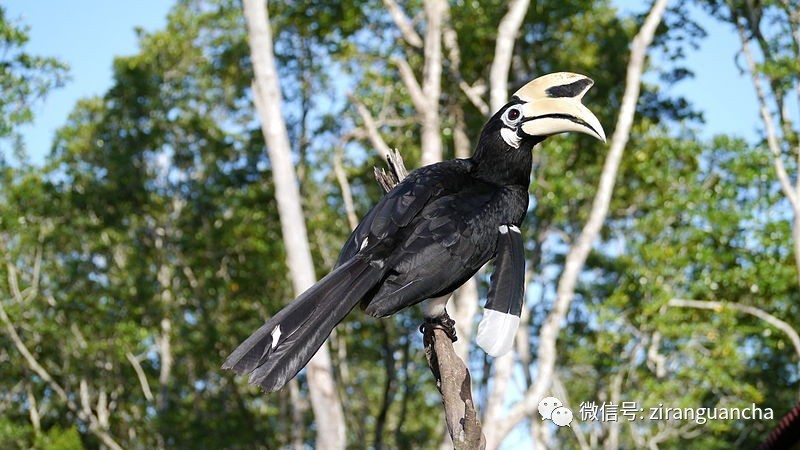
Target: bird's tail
{"x": 277, "y": 351}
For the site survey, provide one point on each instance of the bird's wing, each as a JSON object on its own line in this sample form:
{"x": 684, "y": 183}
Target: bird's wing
{"x": 451, "y": 239}
{"x": 400, "y": 206}
{"x": 504, "y": 305}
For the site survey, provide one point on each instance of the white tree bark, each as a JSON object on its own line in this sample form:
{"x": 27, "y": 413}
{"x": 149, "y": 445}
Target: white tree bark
{"x": 137, "y": 367}
{"x": 463, "y": 306}
{"x": 507, "y": 31}
{"x": 403, "y": 23}
{"x": 33, "y": 410}
{"x": 432, "y": 82}
{"x": 425, "y": 95}
{"x": 324, "y": 398}
{"x": 792, "y": 193}
{"x": 503, "y": 50}
{"x": 576, "y": 257}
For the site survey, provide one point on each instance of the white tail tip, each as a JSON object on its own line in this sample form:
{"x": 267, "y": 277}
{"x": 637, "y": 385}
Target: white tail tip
{"x": 496, "y": 332}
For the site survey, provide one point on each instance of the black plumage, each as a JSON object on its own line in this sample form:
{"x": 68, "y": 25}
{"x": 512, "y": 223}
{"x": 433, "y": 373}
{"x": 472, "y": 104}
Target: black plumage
{"x": 423, "y": 240}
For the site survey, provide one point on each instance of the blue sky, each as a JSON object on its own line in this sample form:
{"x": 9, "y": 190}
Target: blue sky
{"x": 88, "y": 34}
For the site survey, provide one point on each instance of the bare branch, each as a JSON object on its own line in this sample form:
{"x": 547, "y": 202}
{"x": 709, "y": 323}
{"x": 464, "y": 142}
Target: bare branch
{"x": 34, "y": 365}
{"x": 13, "y": 283}
{"x": 452, "y": 376}
{"x": 425, "y": 95}
{"x": 474, "y": 94}
{"x": 655, "y": 360}
{"x": 410, "y": 81}
{"x": 792, "y": 193}
{"x": 344, "y": 185}
{"x": 371, "y": 127}
{"x": 148, "y": 394}
{"x": 769, "y": 126}
{"x": 560, "y": 392}
{"x": 83, "y": 389}
{"x": 33, "y": 409}
{"x": 397, "y": 171}
{"x": 29, "y": 358}
{"x": 495, "y": 404}
{"x": 753, "y": 311}
{"x": 37, "y": 268}
{"x": 403, "y": 23}
{"x": 475, "y": 91}
{"x": 103, "y": 414}
{"x": 576, "y": 257}
{"x": 504, "y": 48}
{"x": 298, "y": 407}
{"x": 432, "y": 82}
{"x": 455, "y": 385}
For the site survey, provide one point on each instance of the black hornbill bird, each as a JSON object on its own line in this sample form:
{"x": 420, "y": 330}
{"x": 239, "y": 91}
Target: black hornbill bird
{"x": 429, "y": 235}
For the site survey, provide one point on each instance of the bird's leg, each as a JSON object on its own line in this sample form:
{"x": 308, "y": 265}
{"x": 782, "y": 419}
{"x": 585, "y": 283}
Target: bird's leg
{"x": 443, "y": 322}
{"x": 435, "y": 313}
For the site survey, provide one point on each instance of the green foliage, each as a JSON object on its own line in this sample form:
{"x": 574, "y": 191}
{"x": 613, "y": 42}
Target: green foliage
{"x": 702, "y": 228}
{"x": 24, "y": 77}
{"x": 154, "y": 222}
{"x": 59, "y": 439}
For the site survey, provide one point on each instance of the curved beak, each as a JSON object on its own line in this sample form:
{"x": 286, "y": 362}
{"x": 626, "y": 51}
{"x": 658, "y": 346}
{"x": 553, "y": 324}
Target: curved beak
{"x": 552, "y": 105}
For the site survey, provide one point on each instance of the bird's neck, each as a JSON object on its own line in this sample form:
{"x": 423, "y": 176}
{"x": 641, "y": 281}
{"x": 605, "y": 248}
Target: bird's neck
{"x": 498, "y": 163}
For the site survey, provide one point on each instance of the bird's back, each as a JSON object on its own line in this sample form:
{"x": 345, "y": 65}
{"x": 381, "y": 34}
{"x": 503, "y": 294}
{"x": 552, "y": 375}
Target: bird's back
{"x": 432, "y": 232}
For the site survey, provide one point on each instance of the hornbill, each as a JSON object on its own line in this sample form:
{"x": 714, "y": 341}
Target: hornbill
{"x": 429, "y": 235}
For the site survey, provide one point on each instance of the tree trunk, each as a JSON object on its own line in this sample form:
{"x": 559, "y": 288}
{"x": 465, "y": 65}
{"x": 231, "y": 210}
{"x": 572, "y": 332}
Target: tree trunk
{"x": 792, "y": 193}
{"x": 576, "y": 257}
{"x": 432, "y": 83}
{"x": 324, "y": 397}
{"x": 463, "y": 306}
{"x": 507, "y": 31}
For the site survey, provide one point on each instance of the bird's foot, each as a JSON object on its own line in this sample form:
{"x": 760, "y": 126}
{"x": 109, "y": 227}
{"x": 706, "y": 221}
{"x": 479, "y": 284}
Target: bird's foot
{"x": 443, "y": 322}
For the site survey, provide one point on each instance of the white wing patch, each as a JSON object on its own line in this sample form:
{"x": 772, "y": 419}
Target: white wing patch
{"x": 276, "y": 334}
{"x": 503, "y": 229}
{"x": 364, "y": 244}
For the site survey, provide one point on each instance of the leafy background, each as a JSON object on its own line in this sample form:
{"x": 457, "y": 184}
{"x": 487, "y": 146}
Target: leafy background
{"x": 153, "y": 216}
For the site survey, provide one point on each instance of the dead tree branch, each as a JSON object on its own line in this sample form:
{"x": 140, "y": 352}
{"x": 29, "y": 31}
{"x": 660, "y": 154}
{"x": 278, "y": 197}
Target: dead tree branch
{"x": 455, "y": 385}
{"x": 452, "y": 376}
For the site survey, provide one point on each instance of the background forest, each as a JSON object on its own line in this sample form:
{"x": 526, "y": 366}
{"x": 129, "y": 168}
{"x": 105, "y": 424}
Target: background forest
{"x": 149, "y": 242}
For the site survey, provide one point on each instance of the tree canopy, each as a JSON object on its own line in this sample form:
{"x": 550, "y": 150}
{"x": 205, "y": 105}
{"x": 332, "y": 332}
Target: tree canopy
{"x": 148, "y": 245}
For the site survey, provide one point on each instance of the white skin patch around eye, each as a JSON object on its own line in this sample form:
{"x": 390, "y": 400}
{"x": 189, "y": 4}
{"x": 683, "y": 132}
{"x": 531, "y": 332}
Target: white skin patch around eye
{"x": 511, "y": 137}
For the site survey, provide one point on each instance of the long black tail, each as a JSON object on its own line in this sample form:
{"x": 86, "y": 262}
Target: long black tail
{"x": 277, "y": 351}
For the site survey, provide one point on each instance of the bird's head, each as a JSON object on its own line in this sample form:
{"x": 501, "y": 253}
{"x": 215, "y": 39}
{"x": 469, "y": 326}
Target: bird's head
{"x": 548, "y": 105}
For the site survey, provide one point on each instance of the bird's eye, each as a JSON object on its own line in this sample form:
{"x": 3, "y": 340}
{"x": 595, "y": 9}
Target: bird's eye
{"x": 513, "y": 114}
